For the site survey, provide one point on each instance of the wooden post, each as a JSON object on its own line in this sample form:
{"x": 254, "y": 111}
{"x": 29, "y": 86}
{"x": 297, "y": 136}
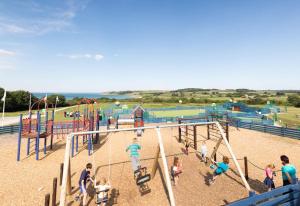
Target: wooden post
{"x": 47, "y": 199}
{"x": 246, "y": 168}
{"x": 179, "y": 131}
{"x": 155, "y": 163}
{"x": 69, "y": 184}
{"x": 54, "y": 191}
{"x": 195, "y": 137}
{"x": 227, "y": 131}
{"x": 215, "y": 157}
{"x": 61, "y": 173}
{"x": 208, "y": 133}
{"x": 186, "y": 132}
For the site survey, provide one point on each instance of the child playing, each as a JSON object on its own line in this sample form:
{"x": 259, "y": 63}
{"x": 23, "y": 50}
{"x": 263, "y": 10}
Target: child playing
{"x": 187, "y": 145}
{"x": 84, "y": 177}
{"x": 134, "y": 154}
{"x": 269, "y": 177}
{"x": 102, "y": 191}
{"x": 204, "y": 151}
{"x": 222, "y": 167}
{"x": 176, "y": 169}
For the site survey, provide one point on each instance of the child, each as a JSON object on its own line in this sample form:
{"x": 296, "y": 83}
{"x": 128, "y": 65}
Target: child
{"x": 187, "y": 145}
{"x": 102, "y": 191}
{"x": 134, "y": 154}
{"x": 222, "y": 167}
{"x": 176, "y": 169}
{"x": 84, "y": 177}
{"x": 269, "y": 177}
{"x": 204, "y": 151}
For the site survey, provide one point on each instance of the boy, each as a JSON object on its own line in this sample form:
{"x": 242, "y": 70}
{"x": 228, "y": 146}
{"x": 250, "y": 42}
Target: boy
{"x": 288, "y": 171}
{"x": 222, "y": 167}
{"x": 134, "y": 154}
{"x": 203, "y": 151}
{"x": 84, "y": 177}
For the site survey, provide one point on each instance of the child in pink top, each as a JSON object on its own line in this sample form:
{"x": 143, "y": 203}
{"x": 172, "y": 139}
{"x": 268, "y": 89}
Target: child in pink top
{"x": 269, "y": 177}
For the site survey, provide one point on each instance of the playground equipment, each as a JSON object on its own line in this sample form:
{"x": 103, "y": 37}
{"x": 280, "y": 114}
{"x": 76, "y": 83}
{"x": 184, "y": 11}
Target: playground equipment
{"x": 66, "y": 183}
{"x": 32, "y": 129}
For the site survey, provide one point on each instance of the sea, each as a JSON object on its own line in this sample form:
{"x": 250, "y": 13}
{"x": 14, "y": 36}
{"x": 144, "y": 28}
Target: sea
{"x": 70, "y": 96}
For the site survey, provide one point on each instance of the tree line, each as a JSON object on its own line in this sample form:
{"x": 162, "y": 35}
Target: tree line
{"x": 19, "y": 101}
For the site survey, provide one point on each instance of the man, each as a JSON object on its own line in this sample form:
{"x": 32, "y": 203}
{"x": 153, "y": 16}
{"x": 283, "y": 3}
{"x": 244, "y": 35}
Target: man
{"x": 84, "y": 177}
{"x": 288, "y": 171}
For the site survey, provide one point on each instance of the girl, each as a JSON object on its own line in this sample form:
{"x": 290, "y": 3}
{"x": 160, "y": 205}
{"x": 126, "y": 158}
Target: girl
{"x": 102, "y": 191}
{"x": 187, "y": 145}
{"x": 222, "y": 167}
{"x": 176, "y": 169}
{"x": 203, "y": 151}
{"x": 269, "y": 177}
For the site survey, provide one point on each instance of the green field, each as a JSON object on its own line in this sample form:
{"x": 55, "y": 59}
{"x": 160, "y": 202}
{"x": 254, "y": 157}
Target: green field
{"x": 290, "y": 117}
{"x": 177, "y": 113}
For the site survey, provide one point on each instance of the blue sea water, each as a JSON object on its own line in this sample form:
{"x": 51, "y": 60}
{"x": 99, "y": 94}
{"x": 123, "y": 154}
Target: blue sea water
{"x": 70, "y": 96}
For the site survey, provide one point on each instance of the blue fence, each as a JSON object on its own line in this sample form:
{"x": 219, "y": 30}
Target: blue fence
{"x": 280, "y": 131}
{"x": 284, "y": 196}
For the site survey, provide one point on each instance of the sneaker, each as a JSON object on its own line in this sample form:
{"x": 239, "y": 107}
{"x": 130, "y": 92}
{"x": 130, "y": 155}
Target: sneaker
{"x": 77, "y": 198}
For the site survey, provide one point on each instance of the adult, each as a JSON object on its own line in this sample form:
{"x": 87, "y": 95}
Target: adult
{"x": 288, "y": 171}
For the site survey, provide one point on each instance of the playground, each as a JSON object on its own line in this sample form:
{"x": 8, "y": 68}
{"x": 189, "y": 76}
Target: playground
{"x": 35, "y": 177}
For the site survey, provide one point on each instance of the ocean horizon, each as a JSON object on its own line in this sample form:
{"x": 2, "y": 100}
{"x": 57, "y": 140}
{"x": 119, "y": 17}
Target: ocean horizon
{"x": 70, "y": 96}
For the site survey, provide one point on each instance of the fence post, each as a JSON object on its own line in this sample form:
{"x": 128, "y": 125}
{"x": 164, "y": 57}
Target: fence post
{"x": 227, "y": 131}
{"x": 195, "y": 137}
{"x": 54, "y": 191}
{"x": 47, "y": 199}
{"x": 208, "y": 133}
{"x": 61, "y": 173}
{"x": 179, "y": 130}
{"x": 246, "y": 168}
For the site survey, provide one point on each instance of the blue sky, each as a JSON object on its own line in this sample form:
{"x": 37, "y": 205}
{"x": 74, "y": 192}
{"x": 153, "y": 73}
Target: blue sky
{"x": 104, "y": 45}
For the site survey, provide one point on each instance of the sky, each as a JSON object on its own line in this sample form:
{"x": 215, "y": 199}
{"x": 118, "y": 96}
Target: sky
{"x": 113, "y": 45}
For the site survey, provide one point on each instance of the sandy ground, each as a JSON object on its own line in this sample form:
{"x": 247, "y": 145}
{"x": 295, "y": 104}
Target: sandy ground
{"x": 26, "y": 182}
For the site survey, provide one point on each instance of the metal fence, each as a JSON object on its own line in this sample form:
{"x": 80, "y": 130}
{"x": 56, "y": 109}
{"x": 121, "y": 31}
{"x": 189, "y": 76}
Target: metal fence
{"x": 262, "y": 126}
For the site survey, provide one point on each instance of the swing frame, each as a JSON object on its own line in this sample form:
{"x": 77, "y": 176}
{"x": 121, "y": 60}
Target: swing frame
{"x": 66, "y": 181}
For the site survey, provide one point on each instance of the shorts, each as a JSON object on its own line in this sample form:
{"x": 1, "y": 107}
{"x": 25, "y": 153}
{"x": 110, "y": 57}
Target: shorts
{"x": 286, "y": 182}
{"x": 216, "y": 174}
{"x": 82, "y": 189}
{"x": 269, "y": 182}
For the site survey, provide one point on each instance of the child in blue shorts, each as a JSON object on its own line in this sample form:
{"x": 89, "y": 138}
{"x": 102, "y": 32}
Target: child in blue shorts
{"x": 222, "y": 167}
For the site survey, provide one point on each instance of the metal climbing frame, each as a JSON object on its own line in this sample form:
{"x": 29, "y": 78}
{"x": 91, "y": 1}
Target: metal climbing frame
{"x": 67, "y": 158}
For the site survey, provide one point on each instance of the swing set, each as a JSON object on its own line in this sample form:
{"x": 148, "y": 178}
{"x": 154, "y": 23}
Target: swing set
{"x": 66, "y": 188}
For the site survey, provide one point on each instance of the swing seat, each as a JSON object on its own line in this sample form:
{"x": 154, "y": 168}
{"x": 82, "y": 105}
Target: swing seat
{"x": 99, "y": 199}
{"x": 144, "y": 189}
{"x": 143, "y": 179}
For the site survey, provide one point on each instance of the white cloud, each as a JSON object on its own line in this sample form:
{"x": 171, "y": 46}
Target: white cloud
{"x": 42, "y": 18}
{"x": 96, "y": 57}
{"x": 4, "y": 52}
